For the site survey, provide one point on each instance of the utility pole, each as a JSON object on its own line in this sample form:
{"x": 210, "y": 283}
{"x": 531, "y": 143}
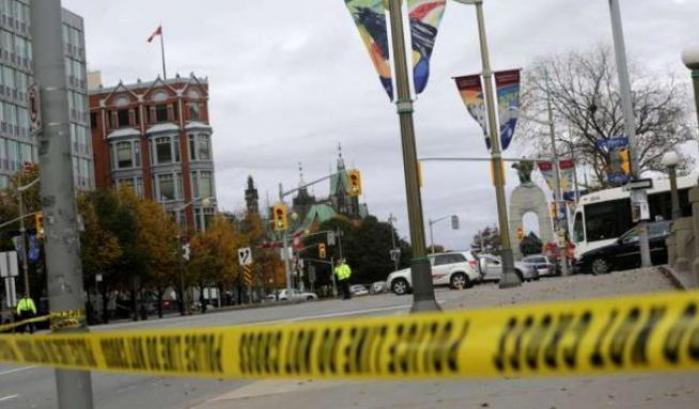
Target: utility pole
{"x": 62, "y": 240}
{"x": 558, "y": 199}
{"x": 639, "y": 198}
{"x": 395, "y": 252}
{"x": 421, "y": 269}
{"x": 509, "y": 277}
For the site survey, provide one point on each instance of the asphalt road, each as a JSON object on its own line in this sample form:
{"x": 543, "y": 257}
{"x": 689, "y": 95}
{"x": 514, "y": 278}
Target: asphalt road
{"x": 34, "y": 388}
{"x": 30, "y": 387}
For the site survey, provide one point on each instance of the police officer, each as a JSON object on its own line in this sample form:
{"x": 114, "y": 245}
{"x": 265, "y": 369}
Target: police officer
{"x": 343, "y": 272}
{"x": 26, "y": 309}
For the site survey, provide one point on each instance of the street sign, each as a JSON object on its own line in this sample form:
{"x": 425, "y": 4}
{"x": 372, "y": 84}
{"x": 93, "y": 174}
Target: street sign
{"x": 395, "y": 254}
{"x": 186, "y": 252}
{"x": 639, "y": 184}
{"x": 8, "y": 264}
{"x": 245, "y": 256}
{"x": 613, "y": 143}
{"x": 10, "y": 292}
{"x": 34, "y": 107}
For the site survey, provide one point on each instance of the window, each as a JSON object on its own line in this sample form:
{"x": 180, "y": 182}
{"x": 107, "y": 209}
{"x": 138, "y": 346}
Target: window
{"x": 607, "y": 220}
{"x": 123, "y": 118}
{"x": 166, "y": 188}
{"x": 205, "y": 185}
{"x": 441, "y": 260}
{"x": 194, "y": 181}
{"x": 457, "y": 258}
{"x": 203, "y": 151}
{"x": 194, "y": 111}
{"x": 578, "y": 232}
{"x": 161, "y": 113}
{"x": 124, "y": 155}
{"x": 163, "y": 150}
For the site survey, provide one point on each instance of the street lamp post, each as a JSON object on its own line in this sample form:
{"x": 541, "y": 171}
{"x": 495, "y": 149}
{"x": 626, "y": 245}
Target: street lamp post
{"x": 420, "y": 269}
{"x": 432, "y": 223}
{"x": 395, "y": 251}
{"x": 509, "y": 277}
{"x": 180, "y": 251}
{"x": 23, "y": 234}
{"x": 670, "y": 160}
{"x": 639, "y": 198}
{"x": 690, "y": 57}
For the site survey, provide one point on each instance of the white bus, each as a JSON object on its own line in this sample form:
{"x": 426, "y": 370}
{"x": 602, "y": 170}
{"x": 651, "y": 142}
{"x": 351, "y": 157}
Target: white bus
{"x": 601, "y": 217}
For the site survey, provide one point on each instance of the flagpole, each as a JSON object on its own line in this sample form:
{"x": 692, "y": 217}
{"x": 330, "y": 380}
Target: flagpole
{"x": 162, "y": 51}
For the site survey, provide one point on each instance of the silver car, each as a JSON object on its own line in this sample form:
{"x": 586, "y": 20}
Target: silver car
{"x": 491, "y": 269}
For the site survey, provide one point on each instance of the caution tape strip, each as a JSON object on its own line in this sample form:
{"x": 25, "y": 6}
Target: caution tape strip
{"x": 59, "y": 320}
{"x": 591, "y": 337}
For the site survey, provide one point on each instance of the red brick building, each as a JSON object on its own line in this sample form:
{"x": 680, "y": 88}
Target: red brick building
{"x": 155, "y": 138}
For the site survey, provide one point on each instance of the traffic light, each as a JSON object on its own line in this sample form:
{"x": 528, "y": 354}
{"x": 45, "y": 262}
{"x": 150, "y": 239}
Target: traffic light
{"x": 279, "y": 217}
{"x": 39, "y": 224}
{"x": 625, "y": 160}
{"x": 321, "y": 251}
{"x": 355, "y": 181}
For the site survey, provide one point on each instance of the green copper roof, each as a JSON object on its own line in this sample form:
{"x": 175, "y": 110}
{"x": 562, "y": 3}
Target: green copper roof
{"x": 318, "y": 213}
{"x": 338, "y": 180}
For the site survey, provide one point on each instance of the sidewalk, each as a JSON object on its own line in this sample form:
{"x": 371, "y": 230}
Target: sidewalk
{"x": 639, "y": 391}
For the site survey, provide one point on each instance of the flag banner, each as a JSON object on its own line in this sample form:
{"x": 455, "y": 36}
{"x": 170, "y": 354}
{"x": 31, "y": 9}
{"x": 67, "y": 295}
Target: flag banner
{"x": 158, "y": 32}
{"x": 507, "y": 83}
{"x": 566, "y": 169}
{"x": 34, "y": 250}
{"x": 471, "y": 91}
{"x": 425, "y": 16}
{"x": 370, "y": 18}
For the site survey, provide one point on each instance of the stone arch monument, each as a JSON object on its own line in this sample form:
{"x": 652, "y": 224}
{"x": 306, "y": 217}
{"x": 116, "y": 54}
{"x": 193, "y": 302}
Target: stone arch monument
{"x": 528, "y": 197}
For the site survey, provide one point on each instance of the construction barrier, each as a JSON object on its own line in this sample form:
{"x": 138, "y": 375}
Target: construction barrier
{"x": 658, "y": 332}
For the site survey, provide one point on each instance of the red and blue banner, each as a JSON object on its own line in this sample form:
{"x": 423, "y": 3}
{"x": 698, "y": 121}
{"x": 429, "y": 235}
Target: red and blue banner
{"x": 507, "y": 83}
{"x": 566, "y": 172}
{"x": 370, "y": 18}
{"x": 425, "y": 17}
{"x": 471, "y": 91}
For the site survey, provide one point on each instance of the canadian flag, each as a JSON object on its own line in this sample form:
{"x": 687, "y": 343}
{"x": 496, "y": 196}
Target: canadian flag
{"x": 158, "y": 32}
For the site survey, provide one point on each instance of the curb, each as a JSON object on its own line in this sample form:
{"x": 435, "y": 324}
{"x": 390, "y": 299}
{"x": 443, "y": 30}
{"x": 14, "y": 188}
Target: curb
{"x": 672, "y": 275}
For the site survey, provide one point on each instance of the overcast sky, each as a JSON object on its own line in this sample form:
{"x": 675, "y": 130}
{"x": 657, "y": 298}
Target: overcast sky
{"x": 289, "y": 80}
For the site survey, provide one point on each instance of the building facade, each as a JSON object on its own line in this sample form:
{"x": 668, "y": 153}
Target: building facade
{"x": 155, "y": 138}
{"x": 17, "y": 144}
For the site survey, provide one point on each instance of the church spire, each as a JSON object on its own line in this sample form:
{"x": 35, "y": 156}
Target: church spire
{"x": 340, "y": 160}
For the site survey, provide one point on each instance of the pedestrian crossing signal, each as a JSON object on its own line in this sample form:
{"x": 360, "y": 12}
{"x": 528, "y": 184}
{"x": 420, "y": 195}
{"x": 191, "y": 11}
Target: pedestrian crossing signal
{"x": 355, "y": 182}
{"x": 279, "y": 217}
{"x": 321, "y": 251}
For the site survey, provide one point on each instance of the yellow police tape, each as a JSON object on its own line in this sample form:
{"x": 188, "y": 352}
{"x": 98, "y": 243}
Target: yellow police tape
{"x": 657, "y": 332}
{"x": 59, "y": 320}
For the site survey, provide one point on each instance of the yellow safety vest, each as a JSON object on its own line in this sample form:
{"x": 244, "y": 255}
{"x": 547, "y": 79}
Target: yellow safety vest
{"x": 343, "y": 272}
{"x": 26, "y": 304}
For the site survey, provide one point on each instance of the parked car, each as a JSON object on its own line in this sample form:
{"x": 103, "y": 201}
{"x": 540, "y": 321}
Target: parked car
{"x": 542, "y": 264}
{"x": 358, "y": 290}
{"x": 378, "y": 288}
{"x": 625, "y": 253}
{"x": 491, "y": 269}
{"x": 296, "y": 295}
{"x": 458, "y": 270}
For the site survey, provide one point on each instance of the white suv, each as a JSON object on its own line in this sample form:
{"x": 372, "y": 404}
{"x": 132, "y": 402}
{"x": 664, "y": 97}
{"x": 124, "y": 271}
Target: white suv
{"x": 456, "y": 269}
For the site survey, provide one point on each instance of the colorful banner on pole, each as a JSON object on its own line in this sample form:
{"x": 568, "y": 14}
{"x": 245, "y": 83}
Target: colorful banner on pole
{"x": 425, "y": 16}
{"x": 507, "y": 83}
{"x": 566, "y": 169}
{"x": 370, "y": 17}
{"x": 471, "y": 91}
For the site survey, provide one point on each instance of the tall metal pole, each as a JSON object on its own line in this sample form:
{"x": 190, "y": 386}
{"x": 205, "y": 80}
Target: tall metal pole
{"x": 674, "y": 196}
{"x": 62, "y": 240}
{"x": 431, "y": 236}
{"x": 423, "y": 289}
{"x": 509, "y": 277}
{"x": 558, "y": 199}
{"x": 23, "y": 237}
{"x": 394, "y": 255}
{"x": 180, "y": 264}
{"x": 690, "y": 58}
{"x": 285, "y": 245}
{"x": 638, "y": 197}
{"x": 162, "y": 50}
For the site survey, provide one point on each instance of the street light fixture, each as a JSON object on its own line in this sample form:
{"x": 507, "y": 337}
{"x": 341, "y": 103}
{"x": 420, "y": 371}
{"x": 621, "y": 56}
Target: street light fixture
{"x": 180, "y": 251}
{"x": 670, "y": 160}
{"x": 509, "y": 277}
{"x": 454, "y": 225}
{"x": 690, "y": 57}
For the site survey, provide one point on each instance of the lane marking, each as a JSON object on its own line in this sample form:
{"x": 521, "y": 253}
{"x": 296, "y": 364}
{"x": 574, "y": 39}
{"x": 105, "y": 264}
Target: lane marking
{"x": 8, "y": 397}
{"x": 24, "y": 368}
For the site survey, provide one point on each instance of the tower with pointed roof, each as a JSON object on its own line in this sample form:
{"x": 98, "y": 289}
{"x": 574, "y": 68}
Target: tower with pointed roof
{"x": 340, "y": 197}
{"x": 303, "y": 201}
{"x": 252, "y": 197}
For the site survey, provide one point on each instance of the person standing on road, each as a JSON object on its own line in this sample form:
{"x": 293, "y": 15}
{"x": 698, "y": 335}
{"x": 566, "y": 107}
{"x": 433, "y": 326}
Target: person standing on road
{"x": 343, "y": 272}
{"x": 26, "y": 309}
